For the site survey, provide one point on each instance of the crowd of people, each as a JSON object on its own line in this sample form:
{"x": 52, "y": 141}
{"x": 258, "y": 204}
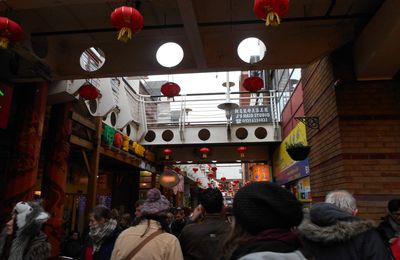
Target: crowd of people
{"x": 265, "y": 222}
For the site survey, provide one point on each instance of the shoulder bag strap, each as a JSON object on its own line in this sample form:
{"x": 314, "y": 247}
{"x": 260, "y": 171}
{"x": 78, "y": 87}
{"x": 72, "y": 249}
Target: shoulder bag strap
{"x": 143, "y": 243}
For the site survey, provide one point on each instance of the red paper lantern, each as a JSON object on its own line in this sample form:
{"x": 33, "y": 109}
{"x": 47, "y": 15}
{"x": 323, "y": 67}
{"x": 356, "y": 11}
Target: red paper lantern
{"x": 210, "y": 175}
{"x": 241, "y": 150}
{"x": 88, "y": 91}
{"x": 271, "y": 10}
{"x": 118, "y": 140}
{"x": 223, "y": 179}
{"x": 214, "y": 169}
{"x": 209, "y": 184}
{"x": 170, "y": 89}
{"x": 253, "y": 84}
{"x": 195, "y": 169}
{"x": 236, "y": 181}
{"x": 10, "y": 31}
{"x": 204, "y": 151}
{"x": 167, "y": 153}
{"x": 199, "y": 183}
{"x": 128, "y": 21}
{"x": 177, "y": 169}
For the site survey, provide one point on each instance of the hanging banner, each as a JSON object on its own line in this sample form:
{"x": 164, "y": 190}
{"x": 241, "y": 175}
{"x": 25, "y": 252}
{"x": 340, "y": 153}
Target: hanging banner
{"x": 284, "y": 168}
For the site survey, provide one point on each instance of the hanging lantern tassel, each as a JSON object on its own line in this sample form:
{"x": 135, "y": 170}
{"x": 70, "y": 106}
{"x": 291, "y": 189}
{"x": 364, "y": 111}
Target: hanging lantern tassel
{"x": 272, "y": 17}
{"x": 124, "y": 34}
{"x": 241, "y": 150}
{"x": 4, "y": 43}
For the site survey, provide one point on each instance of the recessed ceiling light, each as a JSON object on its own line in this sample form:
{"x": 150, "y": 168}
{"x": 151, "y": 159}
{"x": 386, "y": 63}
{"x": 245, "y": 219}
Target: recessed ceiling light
{"x": 214, "y": 161}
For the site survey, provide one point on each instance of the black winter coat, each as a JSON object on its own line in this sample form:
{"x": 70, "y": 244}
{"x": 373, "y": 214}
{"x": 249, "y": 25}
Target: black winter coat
{"x": 204, "y": 240}
{"x": 331, "y": 233}
{"x": 106, "y": 247}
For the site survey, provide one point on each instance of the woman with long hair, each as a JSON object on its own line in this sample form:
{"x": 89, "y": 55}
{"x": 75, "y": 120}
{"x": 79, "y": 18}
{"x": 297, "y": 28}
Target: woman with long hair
{"x": 264, "y": 217}
{"x": 150, "y": 238}
{"x": 22, "y": 238}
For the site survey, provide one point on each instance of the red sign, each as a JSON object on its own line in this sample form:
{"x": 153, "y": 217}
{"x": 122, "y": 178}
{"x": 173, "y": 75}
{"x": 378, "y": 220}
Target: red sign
{"x": 5, "y": 104}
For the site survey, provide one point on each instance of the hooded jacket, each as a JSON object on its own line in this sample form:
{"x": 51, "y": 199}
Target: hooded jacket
{"x": 331, "y": 233}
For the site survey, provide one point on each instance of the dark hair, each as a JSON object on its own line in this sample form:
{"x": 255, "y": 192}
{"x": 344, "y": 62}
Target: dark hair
{"x": 100, "y": 212}
{"x": 160, "y": 219}
{"x": 211, "y": 200}
{"x": 394, "y": 205}
{"x": 237, "y": 237}
{"x": 139, "y": 203}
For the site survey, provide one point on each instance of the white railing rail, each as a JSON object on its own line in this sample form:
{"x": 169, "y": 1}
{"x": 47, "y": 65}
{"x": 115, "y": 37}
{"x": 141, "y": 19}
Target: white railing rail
{"x": 200, "y": 109}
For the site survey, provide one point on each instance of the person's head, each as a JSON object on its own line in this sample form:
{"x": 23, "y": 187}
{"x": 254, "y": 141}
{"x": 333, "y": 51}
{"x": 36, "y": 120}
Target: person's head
{"x": 394, "y": 209}
{"x": 261, "y": 206}
{"x": 179, "y": 214}
{"x": 138, "y": 207}
{"x": 75, "y": 235}
{"x": 170, "y": 217}
{"x": 156, "y": 204}
{"x": 126, "y": 220}
{"x": 27, "y": 215}
{"x": 343, "y": 200}
{"x": 212, "y": 200}
{"x": 99, "y": 216}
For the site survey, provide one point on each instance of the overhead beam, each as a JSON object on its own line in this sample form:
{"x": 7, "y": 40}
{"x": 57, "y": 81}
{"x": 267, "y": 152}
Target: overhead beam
{"x": 377, "y": 55}
{"x": 192, "y": 32}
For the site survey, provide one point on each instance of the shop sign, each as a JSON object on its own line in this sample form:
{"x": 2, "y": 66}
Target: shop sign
{"x": 284, "y": 168}
{"x": 251, "y": 115}
{"x": 261, "y": 173}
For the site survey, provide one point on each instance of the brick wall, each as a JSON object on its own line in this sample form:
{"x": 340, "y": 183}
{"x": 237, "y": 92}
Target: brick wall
{"x": 369, "y": 114}
{"x": 358, "y": 145}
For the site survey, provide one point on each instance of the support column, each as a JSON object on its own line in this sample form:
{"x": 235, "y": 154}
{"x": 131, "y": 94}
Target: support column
{"x": 94, "y": 168}
{"x": 22, "y": 173}
{"x": 56, "y": 170}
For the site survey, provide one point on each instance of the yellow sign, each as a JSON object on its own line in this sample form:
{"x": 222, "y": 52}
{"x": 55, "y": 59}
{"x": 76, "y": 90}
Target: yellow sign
{"x": 261, "y": 173}
{"x": 284, "y": 168}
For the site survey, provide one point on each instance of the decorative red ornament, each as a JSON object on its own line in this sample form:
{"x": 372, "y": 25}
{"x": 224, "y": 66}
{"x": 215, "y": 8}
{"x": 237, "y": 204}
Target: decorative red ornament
{"x": 199, "y": 183}
{"x": 214, "y": 169}
{"x": 234, "y": 184}
{"x": 128, "y": 21}
{"x": 223, "y": 179}
{"x": 236, "y": 181}
{"x": 177, "y": 169}
{"x": 170, "y": 89}
{"x": 118, "y": 140}
{"x": 241, "y": 150}
{"x": 167, "y": 153}
{"x": 10, "y": 31}
{"x": 195, "y": 169}
{"x": 271, "y": 10}
{"x": 204, "y": 151}
{"x": 247, "y": 182}
{"x": 88, "y": 91}
{"x": 221, "y": 185}
{"x": 210, "y": 175}
{"x": 209, "y": 184}
{"x": 253, "y": 84}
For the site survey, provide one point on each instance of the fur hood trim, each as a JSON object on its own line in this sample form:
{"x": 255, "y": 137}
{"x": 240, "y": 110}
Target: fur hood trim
{"x": 341, "y": 231}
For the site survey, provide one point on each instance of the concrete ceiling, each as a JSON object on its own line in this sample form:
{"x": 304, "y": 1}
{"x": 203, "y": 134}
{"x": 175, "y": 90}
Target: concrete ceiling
{"x": 57, "y": 31}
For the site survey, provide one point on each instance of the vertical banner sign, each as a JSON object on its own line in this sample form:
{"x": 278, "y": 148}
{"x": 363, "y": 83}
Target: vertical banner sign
{"x": 5, "y": 104}
{"x": 284, "y": 168}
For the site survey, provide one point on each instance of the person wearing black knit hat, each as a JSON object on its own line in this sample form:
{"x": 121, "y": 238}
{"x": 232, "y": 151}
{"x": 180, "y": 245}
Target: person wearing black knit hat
{"x": 264, "y": 216}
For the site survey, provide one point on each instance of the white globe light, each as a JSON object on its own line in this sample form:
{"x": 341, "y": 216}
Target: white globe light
{"x": 169, "y": 54}
{"x": 251, "y": 50}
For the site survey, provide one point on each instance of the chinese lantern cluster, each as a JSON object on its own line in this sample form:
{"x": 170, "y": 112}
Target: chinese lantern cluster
{"x": 128, "y": 21}
{"x": 170, "y": 89}
{"x": 271, "y": 10}
{"x": 10, "y": 31}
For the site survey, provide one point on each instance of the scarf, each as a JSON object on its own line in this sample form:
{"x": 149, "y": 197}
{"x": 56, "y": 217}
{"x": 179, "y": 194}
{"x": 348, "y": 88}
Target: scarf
{"x": 283, "y": 235}
{"x": 100, "y": 232}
